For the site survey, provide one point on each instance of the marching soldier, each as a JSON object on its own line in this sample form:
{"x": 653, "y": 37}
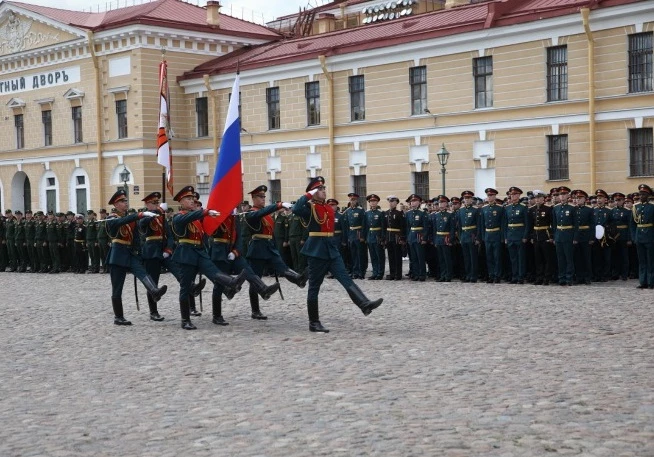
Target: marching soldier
{"x": 395, "y": 226}
{"x": 353, "y": 225}
{"x": 540, "y": 225}
{"x": 121, "y": 257}
{"x": 516, "y": 233}
{"x": 374, "y": 232}
{"x": 442, "y": 226}
{"x": 491, "y": 221}
{"x": 468, "y": 230}
{"x": 601, "y": 252}
{"x": 584, "y": 238}
{"x": 417, "y": 235}
{"x": 642, "y": 232}
{"x": 322, "y": 254}
{"x": 621, "y": 238}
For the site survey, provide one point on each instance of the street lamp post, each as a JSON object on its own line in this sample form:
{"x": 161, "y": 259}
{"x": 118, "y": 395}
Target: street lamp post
{"x": 124, "y": 177}
{"x": 443, "y": 156}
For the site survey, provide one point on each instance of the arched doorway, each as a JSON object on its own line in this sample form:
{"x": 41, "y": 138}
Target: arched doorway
{"x": 21, "y": 192}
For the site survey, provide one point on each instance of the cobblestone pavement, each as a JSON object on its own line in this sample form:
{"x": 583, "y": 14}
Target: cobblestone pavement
{"x": 438, "y": 370}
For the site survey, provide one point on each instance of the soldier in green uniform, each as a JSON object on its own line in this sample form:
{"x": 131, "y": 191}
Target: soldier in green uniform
{"x": 297, "y": 234}
{"x": 71, "y": 252}
{"x": 81, "y": 252}
{"x": 92, "y": 245}
{"x": 491, "y": 221}
{"x": 52, "y": 236}
{"x": 353, "y": 226}
{"x": 540, "y": 229}
{"x": 103, "y": 240}
{"x": 642, "y": 232}
{"x": 442, "y": 234}
{"x": 620, "y": 217}
{"x": 467, "y": 221}
{"x": 563, "y": 226}
{"x": 30, "y": 235}
{"x": 584, "y": 238}
{"x": 10, "y": 233}
{"x": 516, "y": 234}
{"x": 374, "y": 232}
{"x": 601, "y": 250}
{"x": 62, "y": 231}
{"x": 41, "y": 242}
{"x": 21, "y": 243}
{"x": 280, "y": 233}
{"x": 3, "y": 244}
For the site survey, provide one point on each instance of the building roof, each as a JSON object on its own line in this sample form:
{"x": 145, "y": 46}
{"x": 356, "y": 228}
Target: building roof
{"x": 174, "y": 14}
{"x": 468, "y": 18}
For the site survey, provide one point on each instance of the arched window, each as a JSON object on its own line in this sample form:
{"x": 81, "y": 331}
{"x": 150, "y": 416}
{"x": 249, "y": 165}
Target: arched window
{"x": 79, "y": 191}
{"x": 50, "y": 191}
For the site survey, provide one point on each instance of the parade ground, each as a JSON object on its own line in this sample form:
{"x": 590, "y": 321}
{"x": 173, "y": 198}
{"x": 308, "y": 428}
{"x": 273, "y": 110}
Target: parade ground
{"x": 440, "y": 369}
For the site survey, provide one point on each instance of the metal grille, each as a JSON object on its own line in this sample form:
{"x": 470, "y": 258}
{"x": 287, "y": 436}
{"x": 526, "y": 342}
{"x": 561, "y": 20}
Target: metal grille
{"x": 202, "y": 115}
{"x": 640, "y": 62}
{"x": 312, "y": 94}
{"x": 557, "y": 73}
{"x": 77, "y": 124}
{"x": 272, "y": 99}
{"x": 275, "y": 190}
{"x": 357, "y": 98}
{"x": 557, "y": 154}
{"x": 421, "y": 184}
{"x": 418, "y": 83}
{"x": 641, "y": 162}
{"x": 359, "y": 187}
{"x": 121, "y": 114}
{"x": 46, "y": 117}
{"x": 482, "y": 69}
{"x": 20, "y": 131}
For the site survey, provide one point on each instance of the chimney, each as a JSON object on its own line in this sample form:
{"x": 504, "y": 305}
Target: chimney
{"x": 213, "y": 13}
{"x": 326, "y": 23}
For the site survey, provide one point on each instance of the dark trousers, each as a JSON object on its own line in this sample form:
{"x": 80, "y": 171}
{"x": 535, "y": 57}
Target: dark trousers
{"x": 620, "y": 259}
{"x": 582, "y": 256}
{"x": 318, "y": 268}
{"x": 377, "y": 259}
{"x": 544, "y": 253}
{"x": 119, "y": 273}
{"x": 564, "y": 250}
{"x": 356, "y": 248}
{"x": 417, "y": 260}
{"x": 470, "y": 258}
{"x": 494, "y": 259}
{"x": 444, "y": 253}
{"x": 394, "y": 259}
{"x": 645, "y": 263}
{"x": 601, "y": 261}
{"x": 518, "y": 258}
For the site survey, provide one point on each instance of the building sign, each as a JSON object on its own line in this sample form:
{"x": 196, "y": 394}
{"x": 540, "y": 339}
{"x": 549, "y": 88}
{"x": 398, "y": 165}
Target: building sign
{"x": 40, "y": 80}
{"x": 15, "y": 35}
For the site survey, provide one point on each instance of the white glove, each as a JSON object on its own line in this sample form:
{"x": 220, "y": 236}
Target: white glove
{"x": 164, "y": 206}
{"x": 213, "y": 213}
{"x": 149, "y": 214}
{"x": 231, "y": 256}
{"x": 313, "y": 192}
{"x": 287, "y": 205}
{"x": 166, "y": 255}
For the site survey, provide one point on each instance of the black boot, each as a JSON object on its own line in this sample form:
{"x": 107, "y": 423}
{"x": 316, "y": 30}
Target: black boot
{"x": 197, "y": 288}
{"x": 154, "y": 314}
{"x": 254, "y": 304}
{"x": 191, "y": 304}
{"x": 314, "y": 317}
{"x": 359, "y": 299}
{"x": 262, "y": 289}
{"x": 299, "y": 280}
{"x": 156, "y": 292}
{"x": 216, "y": 308}
{"x": 184, "y": 310}
{"x": 230, "y": 282}
{"x": 119, "y": 319}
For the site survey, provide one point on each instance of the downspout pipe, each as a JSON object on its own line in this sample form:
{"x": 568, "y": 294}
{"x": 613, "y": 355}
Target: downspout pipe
{"x": 585, "y": 13}
{"x": 330, "y": 85}
{"x": 98, "y": 115}
{"x": 214, "y": 113}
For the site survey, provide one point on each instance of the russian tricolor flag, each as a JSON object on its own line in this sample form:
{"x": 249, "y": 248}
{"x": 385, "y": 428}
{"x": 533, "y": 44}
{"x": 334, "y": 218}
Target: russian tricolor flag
{"x": 227, "y": 187}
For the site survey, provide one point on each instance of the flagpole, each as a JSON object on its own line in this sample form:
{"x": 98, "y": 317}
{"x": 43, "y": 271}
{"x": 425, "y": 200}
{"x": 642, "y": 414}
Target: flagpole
{"x": 164, "y": 132}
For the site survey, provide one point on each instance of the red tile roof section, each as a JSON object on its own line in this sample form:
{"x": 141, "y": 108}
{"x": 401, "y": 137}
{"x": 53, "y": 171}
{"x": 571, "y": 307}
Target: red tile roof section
{"x": 409, "y": 29}
{"x": 166, "y": 13}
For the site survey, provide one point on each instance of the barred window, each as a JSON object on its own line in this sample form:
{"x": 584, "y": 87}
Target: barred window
{"x": 46, "y": 117}
{"x": 641, "y": 162}
{"x": 640, "y": 62}
{"x": 557, "y": 73}
{"x": 557, "y": 154}
{"x": 357, "y": 98}
{"x": 20, "y": 131}
{"x": 359, "y": 187}
{"x": 121, "y": 116}
{"x": 421, "y": 184}
{"x": 418, "y": 83}
{"x": 274, "y": 116}
{"x": 312, "y": 94}
{"x": 482, "y": 69}
{"x": 77, "y": 124}
{"x": 275, "y": 190}
{"x": 202, "y": 116}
